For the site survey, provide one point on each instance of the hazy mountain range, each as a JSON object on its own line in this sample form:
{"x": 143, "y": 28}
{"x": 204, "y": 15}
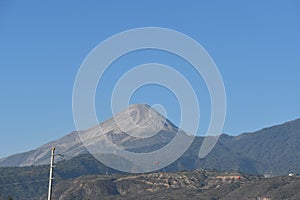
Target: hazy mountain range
{"x": 274, "y": 150}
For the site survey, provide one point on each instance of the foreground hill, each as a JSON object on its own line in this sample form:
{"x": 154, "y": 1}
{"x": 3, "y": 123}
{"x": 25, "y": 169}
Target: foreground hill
{"x": 199, "y": 184}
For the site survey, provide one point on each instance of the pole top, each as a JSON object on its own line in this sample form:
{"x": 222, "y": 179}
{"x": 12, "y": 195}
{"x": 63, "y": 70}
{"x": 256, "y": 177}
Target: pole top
{"x": 53, "y": 148}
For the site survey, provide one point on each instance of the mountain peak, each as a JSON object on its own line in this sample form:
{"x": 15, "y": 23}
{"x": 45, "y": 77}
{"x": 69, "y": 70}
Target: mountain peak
{"x": 139, "y": 120}
{"x": 139, "y": 106}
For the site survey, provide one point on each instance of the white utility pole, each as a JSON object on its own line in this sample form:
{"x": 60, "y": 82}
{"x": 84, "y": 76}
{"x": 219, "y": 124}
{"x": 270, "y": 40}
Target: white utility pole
{"x": 51, "y": 173}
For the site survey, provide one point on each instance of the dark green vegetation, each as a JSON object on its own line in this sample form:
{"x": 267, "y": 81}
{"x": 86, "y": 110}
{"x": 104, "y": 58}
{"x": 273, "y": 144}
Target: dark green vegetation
{"x": 23, "y": 183}
{"x": 32, "y": 182}
{"x": 274, "y": 151}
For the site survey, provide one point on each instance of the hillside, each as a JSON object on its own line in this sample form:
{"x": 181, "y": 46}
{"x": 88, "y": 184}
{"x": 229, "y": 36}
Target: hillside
{"x": 276, "y": 150}
{"x": 199, "y": 184}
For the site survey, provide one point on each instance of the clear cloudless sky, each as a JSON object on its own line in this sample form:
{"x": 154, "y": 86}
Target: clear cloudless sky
{"x": 255, "y": 44}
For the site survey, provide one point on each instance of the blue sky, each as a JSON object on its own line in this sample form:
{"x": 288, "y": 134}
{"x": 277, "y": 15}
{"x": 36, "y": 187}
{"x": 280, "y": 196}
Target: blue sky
{"x": 255, "y": 44}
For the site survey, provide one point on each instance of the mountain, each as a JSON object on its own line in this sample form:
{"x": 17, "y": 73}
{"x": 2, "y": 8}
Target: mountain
{"x": 137, "y": 120}
{"x": 274, "y": 150}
